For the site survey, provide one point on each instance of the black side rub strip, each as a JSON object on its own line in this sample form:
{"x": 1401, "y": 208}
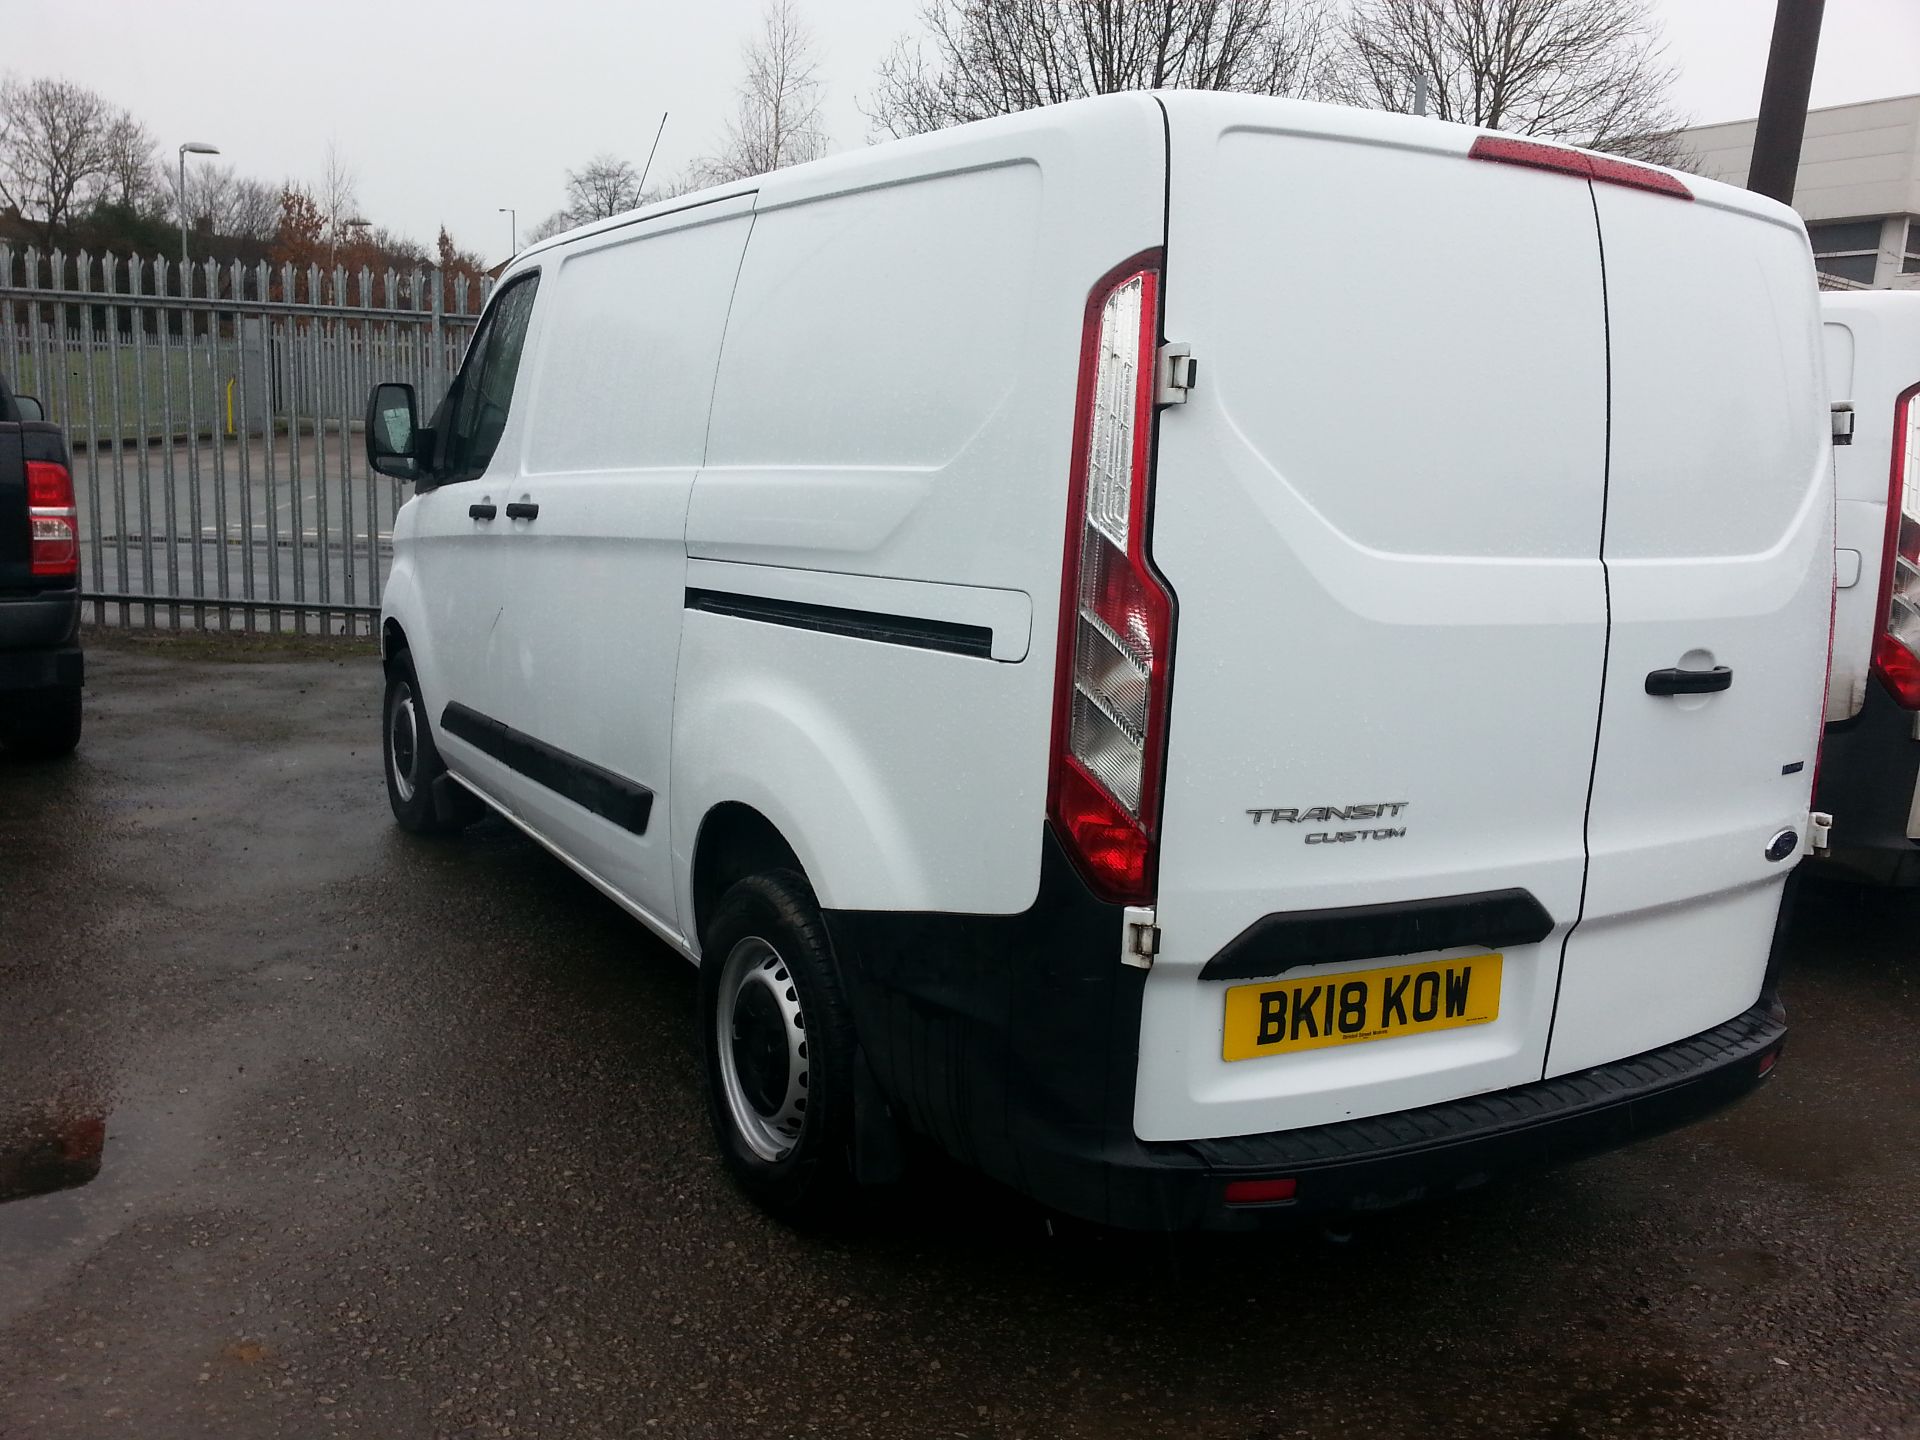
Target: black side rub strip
{"x": 627, "y": 803}
{"x": 1275, "y": 944}
{"x": 947, "y": 636}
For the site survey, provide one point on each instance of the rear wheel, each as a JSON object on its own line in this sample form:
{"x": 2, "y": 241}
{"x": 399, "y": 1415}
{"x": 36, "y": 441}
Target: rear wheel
{"x": 46, "y": 723}
{"x": 779, "y": 1048}
{"x": 412, "y": 761}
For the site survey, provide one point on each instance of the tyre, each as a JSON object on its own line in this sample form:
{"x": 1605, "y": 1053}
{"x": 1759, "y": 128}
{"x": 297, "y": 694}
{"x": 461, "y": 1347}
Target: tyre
{"x": 46, "y": 724}
{"x": 412, "y": 761}
{"x": 779, "y": 1049}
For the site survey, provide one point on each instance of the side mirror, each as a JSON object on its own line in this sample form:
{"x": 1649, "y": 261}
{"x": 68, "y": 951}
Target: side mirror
{"x": 29, "y": 408}
{"x": 393, "y": 432}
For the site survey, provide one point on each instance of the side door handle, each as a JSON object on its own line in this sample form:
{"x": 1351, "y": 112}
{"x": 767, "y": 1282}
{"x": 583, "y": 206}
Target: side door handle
{"x": 523, "y": 510}
{"x": 1689, "y": 682}
{"x": 482, "y": 512}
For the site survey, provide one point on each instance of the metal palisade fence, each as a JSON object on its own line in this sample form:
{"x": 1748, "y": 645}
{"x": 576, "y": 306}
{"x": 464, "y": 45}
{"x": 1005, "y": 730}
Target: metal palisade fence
{"x": 215, "y": 426}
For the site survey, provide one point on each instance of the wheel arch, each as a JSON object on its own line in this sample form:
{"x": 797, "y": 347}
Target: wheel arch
{"x": 734, "y": 841}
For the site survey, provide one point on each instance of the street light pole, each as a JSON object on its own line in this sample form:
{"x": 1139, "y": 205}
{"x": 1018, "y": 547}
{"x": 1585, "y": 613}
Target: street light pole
{"x": 513, "y": 230}
{"x": 192, "y": 147}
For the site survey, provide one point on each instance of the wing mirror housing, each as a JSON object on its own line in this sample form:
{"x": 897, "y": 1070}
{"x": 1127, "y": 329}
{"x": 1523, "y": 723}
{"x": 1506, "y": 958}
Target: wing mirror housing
{"x": 397, "y": 444}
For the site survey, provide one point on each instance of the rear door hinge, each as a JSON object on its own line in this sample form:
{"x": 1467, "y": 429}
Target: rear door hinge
{"x": 1177, "y": 374}
{"x": 1842, "y": 423}
{"x": 1140, "y": 937}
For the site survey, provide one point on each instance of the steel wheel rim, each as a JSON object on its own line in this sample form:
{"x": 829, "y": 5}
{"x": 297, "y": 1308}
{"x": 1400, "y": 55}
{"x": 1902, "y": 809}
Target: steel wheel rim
{"x": 403, "y": 743}
{"x": 757, "y": 1025}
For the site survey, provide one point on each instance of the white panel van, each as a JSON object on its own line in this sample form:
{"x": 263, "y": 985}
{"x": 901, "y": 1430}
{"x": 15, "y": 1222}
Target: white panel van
{"x": 1217, "y": 658}
{"x": 1870, "y": 773}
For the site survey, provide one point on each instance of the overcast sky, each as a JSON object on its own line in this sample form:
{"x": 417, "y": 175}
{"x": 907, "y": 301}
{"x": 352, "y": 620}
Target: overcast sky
{"x": 448, "y": 109}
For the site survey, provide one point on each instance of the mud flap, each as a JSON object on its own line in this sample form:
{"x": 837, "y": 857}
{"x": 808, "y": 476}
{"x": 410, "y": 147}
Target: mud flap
{"x": 453, "y": 803}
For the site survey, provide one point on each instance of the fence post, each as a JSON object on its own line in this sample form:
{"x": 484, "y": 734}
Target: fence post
{"x": 436, "y": 337}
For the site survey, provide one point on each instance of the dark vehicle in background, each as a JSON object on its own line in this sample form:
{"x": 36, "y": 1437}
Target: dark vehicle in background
{"x": 40, "y": 662}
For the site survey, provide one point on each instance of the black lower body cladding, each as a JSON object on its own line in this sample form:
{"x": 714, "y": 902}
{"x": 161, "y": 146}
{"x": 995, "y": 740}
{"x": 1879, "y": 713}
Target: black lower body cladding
{"x": 1012, "y": 1042}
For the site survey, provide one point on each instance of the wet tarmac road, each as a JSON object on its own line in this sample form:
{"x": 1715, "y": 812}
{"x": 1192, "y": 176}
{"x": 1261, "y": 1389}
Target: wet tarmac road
{"x": 405, "y": 1139}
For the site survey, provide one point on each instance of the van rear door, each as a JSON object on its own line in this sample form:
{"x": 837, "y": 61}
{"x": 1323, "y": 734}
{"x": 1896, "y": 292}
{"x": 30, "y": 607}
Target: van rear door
{"x": 1719, "y": 551}
{"x": 1379, "y": 513}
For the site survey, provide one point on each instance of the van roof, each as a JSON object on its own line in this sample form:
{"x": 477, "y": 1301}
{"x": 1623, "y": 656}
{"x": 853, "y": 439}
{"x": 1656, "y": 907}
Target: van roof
{"x": 884, "y": 163}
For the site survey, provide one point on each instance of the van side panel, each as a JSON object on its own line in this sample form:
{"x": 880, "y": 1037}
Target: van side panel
{"x": 617, "y": 408}
{"x": 1379, "y": 513}
{"x": 891, "y": 431}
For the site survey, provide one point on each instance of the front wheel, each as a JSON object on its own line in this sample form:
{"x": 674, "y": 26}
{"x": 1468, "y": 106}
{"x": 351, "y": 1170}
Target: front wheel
{"x": 412, "y": 760}
{"x": 779, "y": 1048}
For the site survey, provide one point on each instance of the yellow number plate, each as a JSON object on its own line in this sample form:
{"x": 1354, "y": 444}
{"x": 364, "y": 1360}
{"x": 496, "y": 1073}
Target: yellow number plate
{"x": 1275, "y": 1017}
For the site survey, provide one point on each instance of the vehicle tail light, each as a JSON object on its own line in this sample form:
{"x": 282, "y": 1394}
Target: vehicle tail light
{"x": 53, "y": 520}
{"x": 1896, "y": 649}
{"x": 1607, "y": 169}
{"x": 1116, "y": 617}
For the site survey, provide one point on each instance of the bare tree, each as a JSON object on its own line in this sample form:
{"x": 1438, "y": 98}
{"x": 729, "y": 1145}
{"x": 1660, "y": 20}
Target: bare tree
{"x": 992, "y": 57}
{"x": 776, "y": 120}
{"x": 1587, "y": 71}
{"x": 605, "y": 186}
{"x": 131, "y": 179}
{"x": 222, "y": 202}
{"x": 55, "y": 150}
{"x": 556, "y": 223}
{"x": 338, "y": 195}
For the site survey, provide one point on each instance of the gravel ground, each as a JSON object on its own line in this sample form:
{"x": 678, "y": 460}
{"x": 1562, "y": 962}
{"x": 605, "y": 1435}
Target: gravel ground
{"x": 405, "y": 1139}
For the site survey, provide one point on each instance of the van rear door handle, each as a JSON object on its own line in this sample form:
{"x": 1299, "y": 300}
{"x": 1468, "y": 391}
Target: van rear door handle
{"x": 1689, "y": 682}
{"x": 482, "y": 512}
{"x": 523, "y": 510}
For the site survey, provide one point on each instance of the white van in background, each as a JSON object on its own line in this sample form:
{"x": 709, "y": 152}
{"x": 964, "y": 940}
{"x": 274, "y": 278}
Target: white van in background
{"x": 1115, "y": 657}
{"x": 1870, "y": 772}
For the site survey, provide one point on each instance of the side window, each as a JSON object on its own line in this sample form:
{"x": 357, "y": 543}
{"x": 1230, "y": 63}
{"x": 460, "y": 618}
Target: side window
{"x": 484, "y": 390}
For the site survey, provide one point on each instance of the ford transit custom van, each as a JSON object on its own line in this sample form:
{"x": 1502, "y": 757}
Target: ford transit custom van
{"x": 1216, "y": 658}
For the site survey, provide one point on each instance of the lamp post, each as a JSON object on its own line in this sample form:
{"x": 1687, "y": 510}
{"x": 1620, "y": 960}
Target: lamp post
{"x": 513, "y": 229}
{"x": 192, "y": 147}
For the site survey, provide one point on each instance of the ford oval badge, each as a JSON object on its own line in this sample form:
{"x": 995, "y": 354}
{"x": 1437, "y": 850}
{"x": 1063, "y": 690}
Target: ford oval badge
{"x": 1783, "y": 844}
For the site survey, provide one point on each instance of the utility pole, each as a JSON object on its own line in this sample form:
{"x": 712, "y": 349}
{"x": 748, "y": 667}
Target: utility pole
{"x": 1783, "y": 99}
{"x": 513, "y": 229}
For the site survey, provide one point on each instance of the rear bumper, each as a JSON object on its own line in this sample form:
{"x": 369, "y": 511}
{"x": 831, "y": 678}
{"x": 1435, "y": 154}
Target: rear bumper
{"x": 1012, "y": 1041}
{"x": 40, "y": 641}
{"x": 1869, "y": 771}
{"x": 1362, "y": 1166}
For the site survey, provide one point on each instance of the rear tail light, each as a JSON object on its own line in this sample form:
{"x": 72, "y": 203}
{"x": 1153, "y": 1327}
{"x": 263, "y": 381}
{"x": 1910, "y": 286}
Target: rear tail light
{"x": 1605, "y": 168}
{"x": 1116, "y": 617}
{"x": 52, "y": 520}
{"x": 1896, "y": 649}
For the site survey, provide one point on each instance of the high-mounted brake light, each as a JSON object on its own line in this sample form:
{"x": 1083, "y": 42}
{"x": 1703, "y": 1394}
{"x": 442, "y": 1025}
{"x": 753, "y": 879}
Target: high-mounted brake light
{"x": 1896, "y": 649}
{"x": 52, "y": 520}
{"x": 1606, "y": 168}
{"x": 1116, "y": 617}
